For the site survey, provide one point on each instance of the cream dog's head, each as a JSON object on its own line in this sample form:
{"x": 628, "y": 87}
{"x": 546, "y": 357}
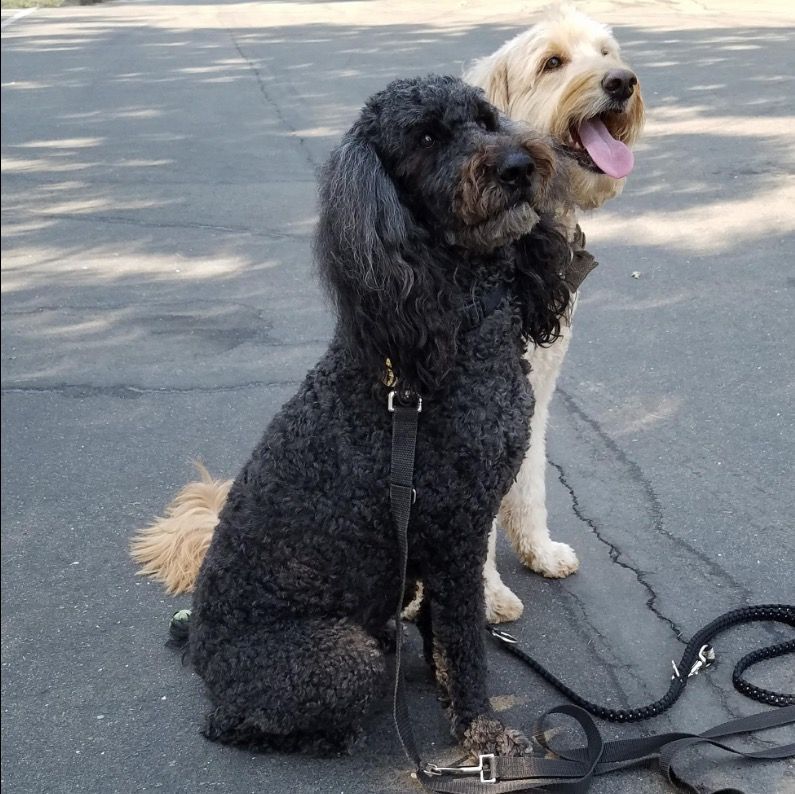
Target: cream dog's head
{"x": 566, "y": 78}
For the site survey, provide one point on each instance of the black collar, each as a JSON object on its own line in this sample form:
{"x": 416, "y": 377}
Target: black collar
{"x": 474, "y": 312}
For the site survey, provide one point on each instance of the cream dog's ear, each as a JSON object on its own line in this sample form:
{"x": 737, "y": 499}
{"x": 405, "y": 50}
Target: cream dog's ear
{"x": 492, "y": 75}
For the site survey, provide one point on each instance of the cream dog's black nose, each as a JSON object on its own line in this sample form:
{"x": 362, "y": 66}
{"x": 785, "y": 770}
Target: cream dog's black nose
{"x": 619, "y": 84}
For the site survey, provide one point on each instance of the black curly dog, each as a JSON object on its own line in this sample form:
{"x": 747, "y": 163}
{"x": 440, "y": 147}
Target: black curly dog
{"x": 422, "y": 209}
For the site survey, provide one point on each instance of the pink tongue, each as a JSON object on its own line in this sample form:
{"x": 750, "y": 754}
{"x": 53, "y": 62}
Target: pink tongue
{"x": 612, "y": 156}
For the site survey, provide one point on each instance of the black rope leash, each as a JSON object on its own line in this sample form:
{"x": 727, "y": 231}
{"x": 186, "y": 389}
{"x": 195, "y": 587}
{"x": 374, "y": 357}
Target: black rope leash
{"x": 757, "y": 693}
{"x": 698, "y": 655}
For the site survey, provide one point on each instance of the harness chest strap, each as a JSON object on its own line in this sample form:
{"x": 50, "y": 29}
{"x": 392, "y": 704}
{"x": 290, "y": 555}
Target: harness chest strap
{"x": 405, "y": 415}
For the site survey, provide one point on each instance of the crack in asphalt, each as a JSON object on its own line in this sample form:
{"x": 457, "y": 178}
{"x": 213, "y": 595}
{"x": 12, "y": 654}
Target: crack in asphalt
{"x": 605, "y": 663}
{"x": 616, "y": 553}
{"x": 630, "y": 670}
{"x": 653, "y": 501}
{"x": 118, "y": 219}
{"x": 722, "y": 694}
{"x": 124, "y": 392}
{"x": 269, "y": 100}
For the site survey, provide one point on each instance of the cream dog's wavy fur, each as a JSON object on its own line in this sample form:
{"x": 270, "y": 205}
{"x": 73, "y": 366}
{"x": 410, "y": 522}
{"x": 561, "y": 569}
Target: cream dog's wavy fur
{"x": 172, "y": 547}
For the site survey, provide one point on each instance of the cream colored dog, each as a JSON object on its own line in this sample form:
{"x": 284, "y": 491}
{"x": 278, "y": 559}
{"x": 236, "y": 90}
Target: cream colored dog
{"x": 565, "y": 77}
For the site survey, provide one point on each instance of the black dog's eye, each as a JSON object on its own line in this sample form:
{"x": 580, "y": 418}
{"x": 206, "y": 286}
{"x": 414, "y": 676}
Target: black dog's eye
{"x": 427, "y": 140}
{"x": 487, "y": 123}
{"x": 555, "y": 62}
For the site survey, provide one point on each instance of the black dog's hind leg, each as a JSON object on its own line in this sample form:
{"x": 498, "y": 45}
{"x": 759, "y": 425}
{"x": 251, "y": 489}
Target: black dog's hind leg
{"x": 299, "y": 685}
{"x": 431, "y": 651}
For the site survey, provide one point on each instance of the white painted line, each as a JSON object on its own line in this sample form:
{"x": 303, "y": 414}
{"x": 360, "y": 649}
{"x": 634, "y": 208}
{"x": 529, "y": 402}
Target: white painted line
{"x": 21, "y": 13}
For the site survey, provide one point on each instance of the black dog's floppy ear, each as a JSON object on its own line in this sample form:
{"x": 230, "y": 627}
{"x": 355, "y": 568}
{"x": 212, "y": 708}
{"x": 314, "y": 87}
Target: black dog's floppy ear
{"x": 543, "y": 258}
{"x": 385, "y": 286}
{"x": 362, "y": 219}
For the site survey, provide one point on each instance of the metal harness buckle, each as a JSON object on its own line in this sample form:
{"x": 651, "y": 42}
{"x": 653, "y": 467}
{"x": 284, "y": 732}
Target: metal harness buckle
{"x": 487, "y": 770}
{"x": 403, "y": 397}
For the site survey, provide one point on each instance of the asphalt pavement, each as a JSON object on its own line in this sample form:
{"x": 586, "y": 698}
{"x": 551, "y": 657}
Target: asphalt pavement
{"x": 160, "y": 303}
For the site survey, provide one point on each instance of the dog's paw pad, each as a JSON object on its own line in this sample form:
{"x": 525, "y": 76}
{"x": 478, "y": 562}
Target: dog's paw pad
{"x": 553, "y": 560}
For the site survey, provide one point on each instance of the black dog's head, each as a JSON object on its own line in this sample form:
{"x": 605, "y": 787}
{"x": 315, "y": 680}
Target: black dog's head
{"x": 458, "y": 164}
{"x": 430, "y": 176}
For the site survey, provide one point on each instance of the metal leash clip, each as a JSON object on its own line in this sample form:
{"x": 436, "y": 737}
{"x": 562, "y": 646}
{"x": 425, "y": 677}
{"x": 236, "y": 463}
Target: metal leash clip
{"x": 485, "y": 769}
{"x": 503, "y": 635}
{"x": 706, "y": 656}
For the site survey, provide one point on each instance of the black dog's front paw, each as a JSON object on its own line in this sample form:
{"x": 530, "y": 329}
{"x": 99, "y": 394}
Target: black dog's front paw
{"x": 488, "y": 735}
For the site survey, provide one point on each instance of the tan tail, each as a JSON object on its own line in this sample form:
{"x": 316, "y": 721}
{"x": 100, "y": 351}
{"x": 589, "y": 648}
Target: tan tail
{"x": 172, "y": 548}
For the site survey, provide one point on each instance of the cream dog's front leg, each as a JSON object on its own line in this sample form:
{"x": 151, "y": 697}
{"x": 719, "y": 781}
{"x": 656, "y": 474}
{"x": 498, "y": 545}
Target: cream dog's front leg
{"x": 523, "y": 511}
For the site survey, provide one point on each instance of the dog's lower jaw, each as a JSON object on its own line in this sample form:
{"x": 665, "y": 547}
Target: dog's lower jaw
{"x": 497, "y": 231}
{"x": 590, "y": 190}
{"x": 485, "y": 735}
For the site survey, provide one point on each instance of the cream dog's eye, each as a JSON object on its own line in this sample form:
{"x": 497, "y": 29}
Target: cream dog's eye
{"x": 605, "y": 51}
{"x": 555, "y": 62}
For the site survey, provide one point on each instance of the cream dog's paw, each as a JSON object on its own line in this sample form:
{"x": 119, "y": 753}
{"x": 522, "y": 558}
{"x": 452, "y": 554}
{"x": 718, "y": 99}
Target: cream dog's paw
{"x": 553, "y": 560}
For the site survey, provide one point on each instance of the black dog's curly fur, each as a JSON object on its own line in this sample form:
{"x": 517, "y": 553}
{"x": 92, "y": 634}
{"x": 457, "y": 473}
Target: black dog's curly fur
{"x": 420, "y": 213}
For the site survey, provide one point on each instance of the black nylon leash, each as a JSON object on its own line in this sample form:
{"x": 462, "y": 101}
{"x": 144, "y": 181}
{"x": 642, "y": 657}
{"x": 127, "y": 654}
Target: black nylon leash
{"x": 573, "y": 770}
{"x": 405, "y": 409}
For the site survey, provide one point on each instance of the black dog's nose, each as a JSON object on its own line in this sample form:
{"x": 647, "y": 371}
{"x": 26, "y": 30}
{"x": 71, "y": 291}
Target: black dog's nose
{"x": 515, "y": 168}
{"x": 619, "y": 84}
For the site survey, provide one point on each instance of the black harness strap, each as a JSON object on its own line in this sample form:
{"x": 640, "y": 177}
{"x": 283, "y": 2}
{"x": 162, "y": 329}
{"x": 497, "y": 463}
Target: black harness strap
{"x": 405, "y": 408}
{"x": 474, "y": 312}
{"x": 574, "y": 769}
